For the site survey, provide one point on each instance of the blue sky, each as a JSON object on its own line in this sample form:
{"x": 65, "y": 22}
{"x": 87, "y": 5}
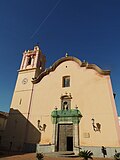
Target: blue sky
{"x": 86, "y": 29}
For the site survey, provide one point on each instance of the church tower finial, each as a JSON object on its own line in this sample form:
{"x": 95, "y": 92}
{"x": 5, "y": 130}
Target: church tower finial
{"x": 66, "y": 55}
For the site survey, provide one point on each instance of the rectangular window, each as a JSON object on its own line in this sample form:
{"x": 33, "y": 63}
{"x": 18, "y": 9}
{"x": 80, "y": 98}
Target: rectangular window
{"x": 20, "y": 101}
{"x": 66, "y": 81}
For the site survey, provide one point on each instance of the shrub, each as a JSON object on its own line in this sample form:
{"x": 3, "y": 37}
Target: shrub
{"x": 86, "y": 154}
{"x": 117, "y": 156}
{"x": 39, "y": 156}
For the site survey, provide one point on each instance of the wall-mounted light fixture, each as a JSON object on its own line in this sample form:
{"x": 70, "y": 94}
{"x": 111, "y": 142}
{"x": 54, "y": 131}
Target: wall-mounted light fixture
{"x": 41, "y": 128}
{"x": 97, "y": 126}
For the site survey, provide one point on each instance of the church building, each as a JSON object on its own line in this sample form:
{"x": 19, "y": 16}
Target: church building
{"x": 62, "y": 108}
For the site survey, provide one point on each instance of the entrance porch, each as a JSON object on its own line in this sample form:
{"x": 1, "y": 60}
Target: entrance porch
{"x": 66, "y": 130}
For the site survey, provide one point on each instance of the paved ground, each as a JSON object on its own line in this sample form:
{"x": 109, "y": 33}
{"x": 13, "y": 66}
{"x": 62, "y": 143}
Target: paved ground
{"x": 32, "y": 156}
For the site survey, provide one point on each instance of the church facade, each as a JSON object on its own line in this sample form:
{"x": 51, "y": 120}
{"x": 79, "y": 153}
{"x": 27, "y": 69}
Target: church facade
{"x": 62, "y": 108}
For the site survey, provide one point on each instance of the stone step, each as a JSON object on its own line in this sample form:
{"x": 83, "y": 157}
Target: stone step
{"x": 66, "y": 153}
{"x": 61, "y": 154}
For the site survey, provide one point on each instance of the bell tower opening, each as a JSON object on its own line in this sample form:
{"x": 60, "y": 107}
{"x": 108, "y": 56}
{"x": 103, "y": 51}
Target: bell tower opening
{"x": 33, "y": 59}
{"x": 29, "y": 60}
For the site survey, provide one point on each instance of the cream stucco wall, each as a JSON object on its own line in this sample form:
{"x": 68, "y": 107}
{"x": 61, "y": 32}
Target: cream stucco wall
{"x": 22, "y": 92}
{"x": 90, "y": 91}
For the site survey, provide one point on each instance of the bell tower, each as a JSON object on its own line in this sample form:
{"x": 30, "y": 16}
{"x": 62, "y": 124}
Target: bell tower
{"x": 33, "y": 59}
{"x": 33, "y": 63}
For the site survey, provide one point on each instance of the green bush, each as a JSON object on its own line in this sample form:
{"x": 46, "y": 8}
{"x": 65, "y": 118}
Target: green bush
{"x": 39, "y": 156}
{"x": 86, "y": 154}
{"x": 117, "y": 156}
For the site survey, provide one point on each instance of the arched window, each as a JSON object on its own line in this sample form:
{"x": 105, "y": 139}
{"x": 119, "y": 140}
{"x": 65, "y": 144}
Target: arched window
{"x": 29, "y": 60}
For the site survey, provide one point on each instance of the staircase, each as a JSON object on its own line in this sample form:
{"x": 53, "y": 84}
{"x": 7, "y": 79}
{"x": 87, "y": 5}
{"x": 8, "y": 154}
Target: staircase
{"x": 61, "y": 154}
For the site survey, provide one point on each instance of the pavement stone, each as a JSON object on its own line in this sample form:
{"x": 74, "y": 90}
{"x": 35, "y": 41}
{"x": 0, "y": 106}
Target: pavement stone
{"x": 32, "y": 156}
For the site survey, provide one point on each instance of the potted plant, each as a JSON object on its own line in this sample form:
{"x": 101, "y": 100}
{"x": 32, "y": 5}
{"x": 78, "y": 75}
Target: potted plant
{"x": 39, "y": 156}
{"x": 117, "y": 156}
{"x": 86, "y": 154}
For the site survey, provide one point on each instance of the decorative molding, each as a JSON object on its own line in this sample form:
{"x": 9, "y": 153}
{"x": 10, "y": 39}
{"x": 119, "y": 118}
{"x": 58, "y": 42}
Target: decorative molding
{"x": 69, "y": 58}
{"x": 27, "y": 69}
{"x": 70, "y": 115}
{"x": 66, "y": 96}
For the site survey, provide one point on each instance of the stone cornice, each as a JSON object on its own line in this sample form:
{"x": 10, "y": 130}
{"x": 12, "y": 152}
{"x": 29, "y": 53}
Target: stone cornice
{"x": 70, "y": 115}
{"x": 27, "y": 69}
{"x": 69, "y": 58}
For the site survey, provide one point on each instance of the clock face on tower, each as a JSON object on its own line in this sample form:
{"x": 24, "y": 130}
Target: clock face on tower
{"x": 24, "y": 81}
